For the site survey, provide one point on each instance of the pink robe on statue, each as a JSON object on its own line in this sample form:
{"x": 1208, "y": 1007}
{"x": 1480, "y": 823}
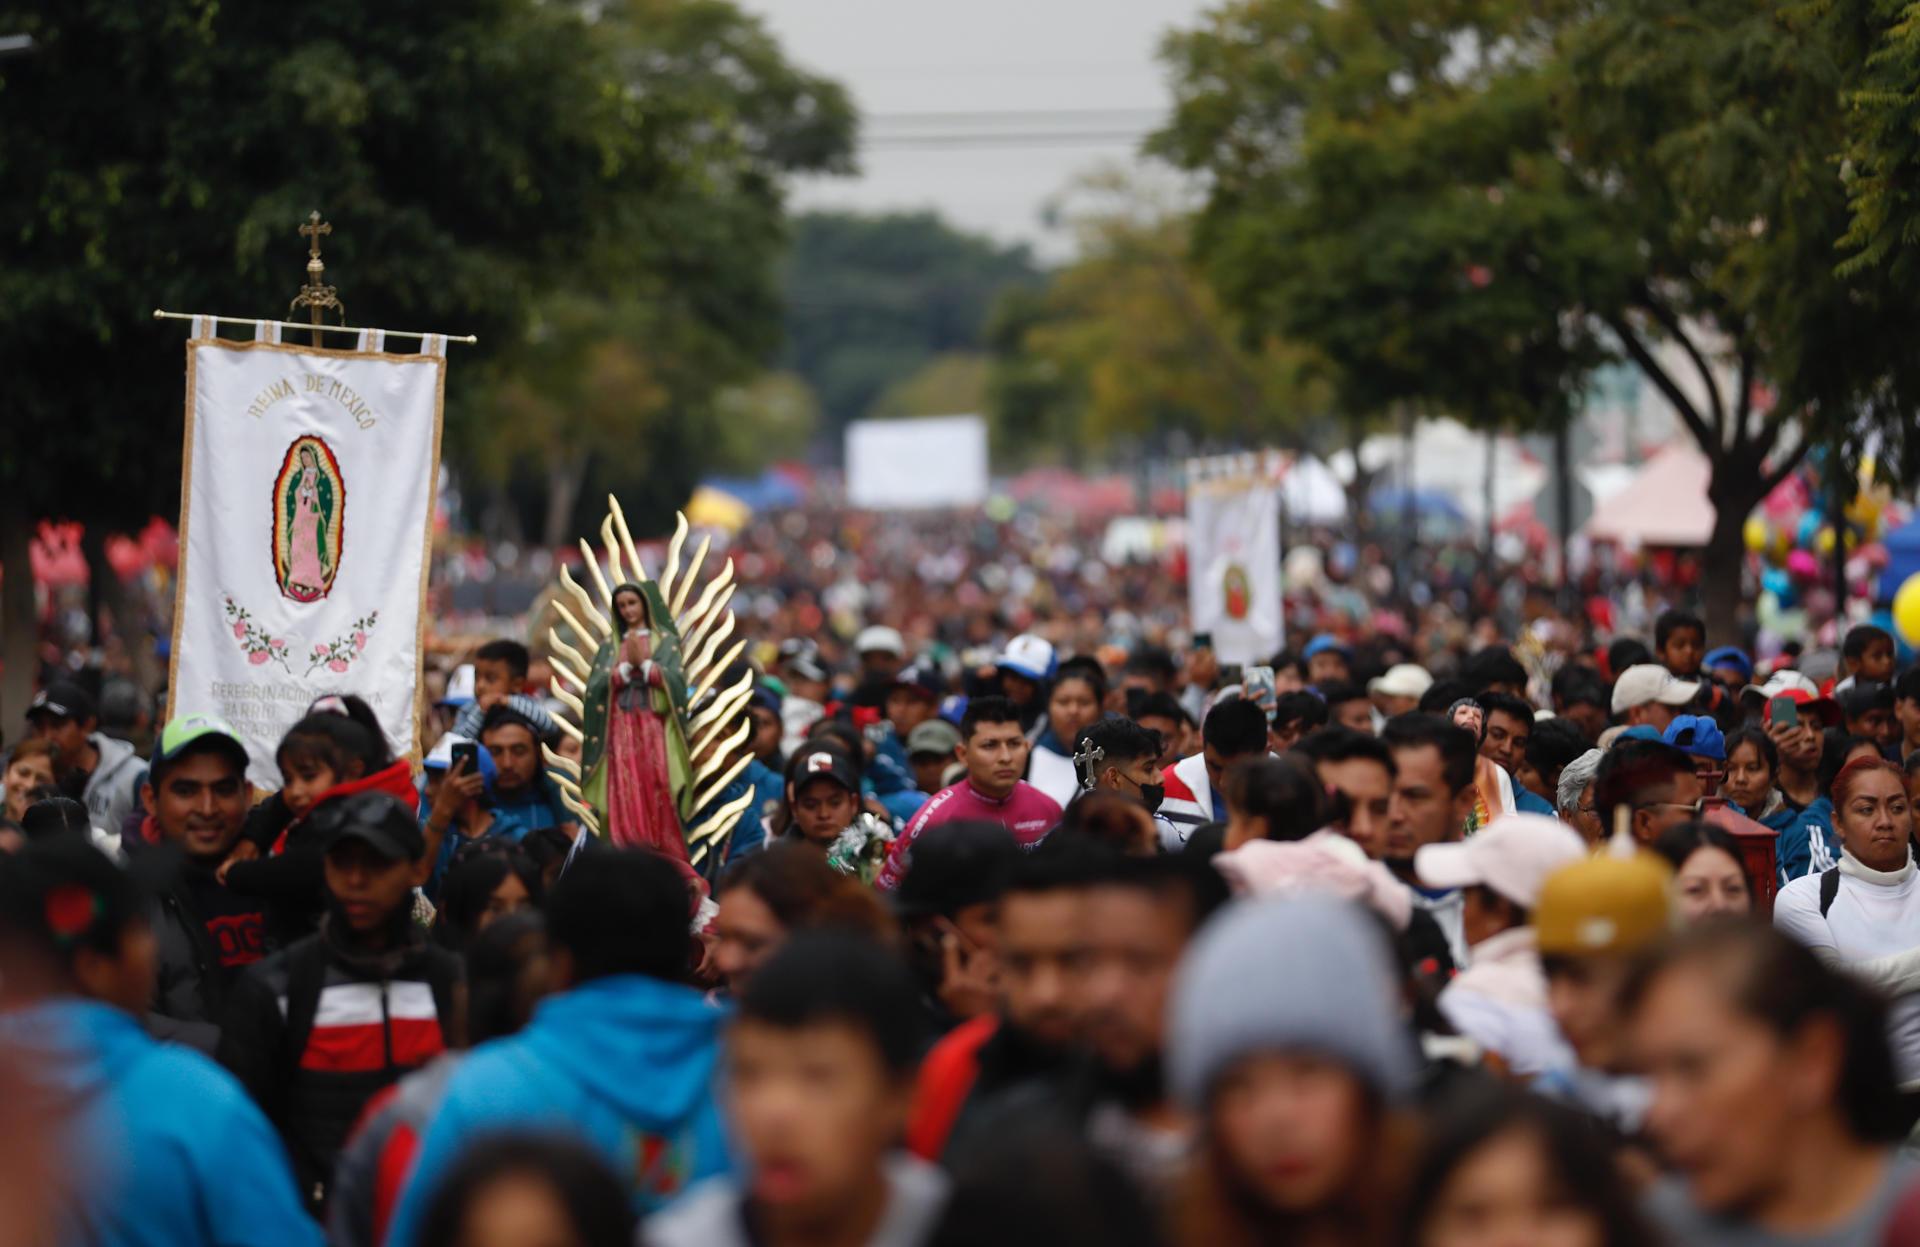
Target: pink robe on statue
{"x": 640, "y": 807}
{"x": 303, "y": 556}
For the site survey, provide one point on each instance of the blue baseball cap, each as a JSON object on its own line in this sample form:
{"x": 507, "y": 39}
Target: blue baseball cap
{"x": 1698, "y": 735}
{"x": 1326, "y": 643}
{"x": 1731, "y": 656}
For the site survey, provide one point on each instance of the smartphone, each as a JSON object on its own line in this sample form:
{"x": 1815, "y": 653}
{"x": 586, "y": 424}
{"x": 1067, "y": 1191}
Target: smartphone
{"x": 1258, "y": 683}
{"x": 466, "y": 756}
{"x": 1203, "y": 640}
{"x": 1784, "y": 711}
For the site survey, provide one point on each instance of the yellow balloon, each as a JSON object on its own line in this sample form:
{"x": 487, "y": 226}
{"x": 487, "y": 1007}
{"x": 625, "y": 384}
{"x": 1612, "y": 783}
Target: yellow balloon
{"x": 1755, "y": 532}
{"x": 1906, "y": 610}
{"x": 1823, "y": 540}
{"x": 1782, "y": 545}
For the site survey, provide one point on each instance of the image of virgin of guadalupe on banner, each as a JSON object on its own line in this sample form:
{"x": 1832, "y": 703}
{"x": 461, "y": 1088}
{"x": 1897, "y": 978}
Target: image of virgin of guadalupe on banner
{"x": 1233, "y": 566}
{"x": 306, "y": 513}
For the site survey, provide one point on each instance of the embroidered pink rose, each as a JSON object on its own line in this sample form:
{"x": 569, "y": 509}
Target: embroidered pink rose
{"x": 359, "y": 640}
{"x": 338, "y": 664}
{"x": 240, "y": 631}
{"x": 319, "y": 651}
{"x": 259, "y": 657}
{"x": 277, "y": 643}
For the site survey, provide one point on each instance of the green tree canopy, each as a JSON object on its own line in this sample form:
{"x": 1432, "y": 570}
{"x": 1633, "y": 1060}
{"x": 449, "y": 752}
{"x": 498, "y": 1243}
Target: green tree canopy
{"x": 1471, "y": 204}
{"x": 492, "y": 167}
{"x": 476, "y": 159}
{"x": 871, "y": 300}
{"x": 1129, "y": 347}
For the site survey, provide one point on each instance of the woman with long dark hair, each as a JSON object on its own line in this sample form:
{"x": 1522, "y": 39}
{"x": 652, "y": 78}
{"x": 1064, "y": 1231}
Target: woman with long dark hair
{"x": 532, "y": 1191}
{"x": 786, "y": 887}
{"x": 1774, "y": 1099}
{"x": 1709, "y": 876}
{"x": 1499, "y": 1166}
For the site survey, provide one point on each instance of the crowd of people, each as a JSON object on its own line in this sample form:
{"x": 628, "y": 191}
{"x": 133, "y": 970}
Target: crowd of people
{"x": 1023, "y": 938}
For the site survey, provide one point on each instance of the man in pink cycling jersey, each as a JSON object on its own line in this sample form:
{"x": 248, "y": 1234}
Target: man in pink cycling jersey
{"x": 994, "y": 750}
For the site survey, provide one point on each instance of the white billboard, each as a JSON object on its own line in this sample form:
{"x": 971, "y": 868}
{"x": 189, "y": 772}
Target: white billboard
{"x": 898, "y": 465}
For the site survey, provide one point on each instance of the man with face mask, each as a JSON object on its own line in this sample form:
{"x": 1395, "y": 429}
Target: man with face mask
{"x": 1118, "y": 755}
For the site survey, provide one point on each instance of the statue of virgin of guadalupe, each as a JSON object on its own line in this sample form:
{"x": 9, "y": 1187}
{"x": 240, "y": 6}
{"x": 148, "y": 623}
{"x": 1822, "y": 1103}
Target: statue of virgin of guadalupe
{"x": 634, "y": 755}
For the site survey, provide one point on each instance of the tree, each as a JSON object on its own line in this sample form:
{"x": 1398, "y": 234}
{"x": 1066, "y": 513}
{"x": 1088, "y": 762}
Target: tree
{"x": 1472, "y": 204}
{"x": 476, "y": 159}
{"x": 950, "y": 384}
{"x": 871, "y": 300}
{"x": 1129, "y": 346}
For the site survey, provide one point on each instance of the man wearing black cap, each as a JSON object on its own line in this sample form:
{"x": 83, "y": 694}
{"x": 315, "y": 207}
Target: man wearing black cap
{"x": 823, "y": 794}
{"x": 318, "y": 1030}
{"x": 153, "y": 1142}
{"x": 92, "y": 766}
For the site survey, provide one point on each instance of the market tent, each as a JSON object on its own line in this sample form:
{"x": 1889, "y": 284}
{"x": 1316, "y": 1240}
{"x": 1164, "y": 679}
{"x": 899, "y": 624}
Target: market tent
{"x": 1665, "y": 505}
{"x": 1311, "y": 492}
{"x": 1449, "y": 457}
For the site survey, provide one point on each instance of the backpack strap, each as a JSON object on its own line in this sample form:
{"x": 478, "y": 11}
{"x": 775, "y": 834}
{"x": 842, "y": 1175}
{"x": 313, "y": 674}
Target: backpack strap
{"x": 1829, "y": 889}
{"x": 306, "y": 978}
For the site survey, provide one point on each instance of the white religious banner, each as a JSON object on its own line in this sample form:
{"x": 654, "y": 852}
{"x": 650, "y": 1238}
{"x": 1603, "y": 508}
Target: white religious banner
{"x": 305, "y": 518}
{"x": 1233, "y": 565}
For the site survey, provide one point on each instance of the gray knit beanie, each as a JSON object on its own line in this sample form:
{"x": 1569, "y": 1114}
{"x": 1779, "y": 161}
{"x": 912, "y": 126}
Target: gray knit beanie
{"x": 1288, "y": 973}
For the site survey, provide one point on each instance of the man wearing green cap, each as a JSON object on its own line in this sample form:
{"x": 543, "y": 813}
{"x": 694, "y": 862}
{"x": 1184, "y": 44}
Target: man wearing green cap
{"x": 196, "y": 797}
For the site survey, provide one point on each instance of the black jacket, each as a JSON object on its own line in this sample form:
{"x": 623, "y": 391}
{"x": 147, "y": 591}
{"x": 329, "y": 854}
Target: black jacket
{"x": 317, "y": 1030}
{"x": 206, "y": 937}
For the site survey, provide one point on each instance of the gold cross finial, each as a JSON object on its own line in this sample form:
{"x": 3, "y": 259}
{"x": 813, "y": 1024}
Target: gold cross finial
{"x": 316, "y": 294}
{"x": 315, "y": 229}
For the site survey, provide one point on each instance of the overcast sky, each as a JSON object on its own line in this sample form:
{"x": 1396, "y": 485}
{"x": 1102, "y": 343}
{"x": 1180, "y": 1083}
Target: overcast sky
{"x": 1023, "y": 96}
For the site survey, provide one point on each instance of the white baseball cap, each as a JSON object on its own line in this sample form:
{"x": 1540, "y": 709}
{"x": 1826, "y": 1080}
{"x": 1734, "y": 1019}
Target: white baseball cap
{"x": 1028, "y": 655}
{"x": 1514, "y": 855}
{"x": 459, "y": 686}
{"x": 1405, "y": 679}
{"x": 1649, "y": 682}
{"x": 880, "y": 640}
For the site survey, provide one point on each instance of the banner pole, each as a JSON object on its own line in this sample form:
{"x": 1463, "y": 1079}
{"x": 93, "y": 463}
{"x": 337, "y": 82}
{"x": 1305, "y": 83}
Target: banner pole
{"x": 316, "y": 294}
{"x": 468, "y": 339}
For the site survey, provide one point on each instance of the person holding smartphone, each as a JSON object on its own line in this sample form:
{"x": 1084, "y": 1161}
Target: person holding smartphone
{"x": 459, "y": 813}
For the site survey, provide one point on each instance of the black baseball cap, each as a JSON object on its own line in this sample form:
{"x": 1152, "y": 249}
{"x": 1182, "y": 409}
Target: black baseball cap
{"x": 922, "y": 678}
{"x": 1864, "y": 697}
{"x": 62, "y": 699}
{"x": 382, "y": 821}
{"x": 955, "y": 865}
{"x": 815, "y": 761}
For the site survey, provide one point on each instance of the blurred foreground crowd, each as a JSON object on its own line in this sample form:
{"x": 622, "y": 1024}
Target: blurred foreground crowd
{"x": 1060, "y": 936}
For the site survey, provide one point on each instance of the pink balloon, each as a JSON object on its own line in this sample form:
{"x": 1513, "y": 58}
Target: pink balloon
{"x": 1802, "y": 563}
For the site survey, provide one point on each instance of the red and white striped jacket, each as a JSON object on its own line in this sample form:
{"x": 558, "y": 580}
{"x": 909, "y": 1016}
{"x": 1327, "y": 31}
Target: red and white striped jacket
{"x": 316, "y": 1031}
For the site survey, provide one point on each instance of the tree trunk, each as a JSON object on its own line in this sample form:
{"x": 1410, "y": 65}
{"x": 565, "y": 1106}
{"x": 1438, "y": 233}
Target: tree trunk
{"x": 1486, "y": 500}
{"x": 1563, "y": 507}
{"x": 1735, "y": 490}
{"x": 1837, "y": 519}
{"x": 19, "y": 621}
{"x": 566, "y": 475}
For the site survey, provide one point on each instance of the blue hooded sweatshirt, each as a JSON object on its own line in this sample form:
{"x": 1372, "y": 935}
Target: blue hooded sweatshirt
{"x": 1808, "y": 845}
{"x": 624, "y": 1064}
{"x": 163, "y": 1147}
